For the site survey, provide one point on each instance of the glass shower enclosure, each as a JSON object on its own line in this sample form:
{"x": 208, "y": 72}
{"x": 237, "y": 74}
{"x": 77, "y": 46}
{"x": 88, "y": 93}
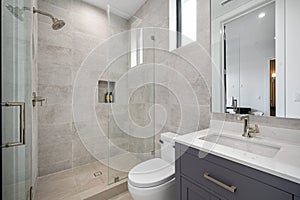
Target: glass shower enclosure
{"x": 16, "y": 22}
{"x": 118, "y": 126}
{"x": 130, "y": 76}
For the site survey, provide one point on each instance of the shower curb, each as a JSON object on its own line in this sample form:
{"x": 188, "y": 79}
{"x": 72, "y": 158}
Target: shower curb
{"x": 111, "y": 192}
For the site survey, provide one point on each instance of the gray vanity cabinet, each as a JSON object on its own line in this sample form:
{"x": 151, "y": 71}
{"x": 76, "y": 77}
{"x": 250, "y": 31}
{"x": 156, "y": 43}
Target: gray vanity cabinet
{"x": 209, "y": 177}
{"x": 191, "y": 191}
{"x": 297, "y": 198}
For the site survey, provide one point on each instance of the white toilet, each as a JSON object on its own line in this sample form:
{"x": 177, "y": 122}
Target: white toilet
{"x": 155, "y": 179}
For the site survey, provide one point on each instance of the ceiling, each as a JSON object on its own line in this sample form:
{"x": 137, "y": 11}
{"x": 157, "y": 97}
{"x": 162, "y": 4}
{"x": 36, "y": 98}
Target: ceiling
{"x": 122, "y": 8}
{"x": 219, "y": 10}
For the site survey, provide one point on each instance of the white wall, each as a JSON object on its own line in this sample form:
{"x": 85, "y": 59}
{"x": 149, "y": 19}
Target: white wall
{"x": 292, "y": 58}
{"x": 280, "y": 58}
{"x": 287, "y": 53}
{"x": 233, "y": 64}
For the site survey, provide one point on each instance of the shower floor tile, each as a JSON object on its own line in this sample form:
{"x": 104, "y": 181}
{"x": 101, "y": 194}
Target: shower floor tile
{"x": 73, "y": 184}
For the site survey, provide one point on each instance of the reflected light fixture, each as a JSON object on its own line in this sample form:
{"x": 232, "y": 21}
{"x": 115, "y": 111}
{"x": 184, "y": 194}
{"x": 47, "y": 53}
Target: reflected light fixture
{"x": 273, "y": 75}
{"x": 262, "y": 15}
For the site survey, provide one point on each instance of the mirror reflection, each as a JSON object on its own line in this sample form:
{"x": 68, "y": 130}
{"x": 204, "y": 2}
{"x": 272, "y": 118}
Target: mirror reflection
{"x": 254, "y": 59}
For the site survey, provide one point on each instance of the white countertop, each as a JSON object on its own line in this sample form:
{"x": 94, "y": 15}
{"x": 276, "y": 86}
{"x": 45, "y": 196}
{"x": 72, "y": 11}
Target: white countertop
{"x": 285, "y": 164}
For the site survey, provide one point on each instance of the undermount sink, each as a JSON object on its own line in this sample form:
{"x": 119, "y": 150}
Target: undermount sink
{"x": 266, "y": 150}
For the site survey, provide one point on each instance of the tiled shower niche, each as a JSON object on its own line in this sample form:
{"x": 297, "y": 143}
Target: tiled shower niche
{"x": 106, "y": 88}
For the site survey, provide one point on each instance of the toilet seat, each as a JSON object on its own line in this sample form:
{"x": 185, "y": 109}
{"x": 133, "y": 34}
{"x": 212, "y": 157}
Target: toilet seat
{"x": 151, "y": 173}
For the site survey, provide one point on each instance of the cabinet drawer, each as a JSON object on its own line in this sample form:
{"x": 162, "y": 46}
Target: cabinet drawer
{"x": 219, "y": 179}
{"x": 191, "y": 191}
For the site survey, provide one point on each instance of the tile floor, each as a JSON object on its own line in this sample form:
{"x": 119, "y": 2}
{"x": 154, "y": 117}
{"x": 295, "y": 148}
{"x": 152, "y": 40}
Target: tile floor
{"x": 123, "y": 196}
{"x": 75, "y": 184}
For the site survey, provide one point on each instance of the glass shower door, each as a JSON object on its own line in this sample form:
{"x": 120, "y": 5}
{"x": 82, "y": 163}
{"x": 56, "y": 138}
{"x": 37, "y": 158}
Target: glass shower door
{"x": 131, "y": 118}
{"x": 16, "y": 99}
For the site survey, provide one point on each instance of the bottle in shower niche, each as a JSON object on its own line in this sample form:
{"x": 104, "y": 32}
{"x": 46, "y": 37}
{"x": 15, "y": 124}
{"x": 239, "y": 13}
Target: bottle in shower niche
{"x": 111, "y": 97}
{"x": 106, "y": 100}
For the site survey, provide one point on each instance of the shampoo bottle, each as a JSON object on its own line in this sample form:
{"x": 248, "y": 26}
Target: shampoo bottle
{"x": 106, "y": 97}
{"x": 111, "y": 97}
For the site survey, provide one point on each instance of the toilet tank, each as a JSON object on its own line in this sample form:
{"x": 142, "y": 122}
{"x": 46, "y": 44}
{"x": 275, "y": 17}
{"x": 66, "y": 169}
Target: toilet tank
{"x": 168, "y": 146}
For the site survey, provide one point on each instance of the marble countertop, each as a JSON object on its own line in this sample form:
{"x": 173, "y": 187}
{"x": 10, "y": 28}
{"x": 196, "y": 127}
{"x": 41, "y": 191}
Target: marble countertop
{"x": 285, "y": 163}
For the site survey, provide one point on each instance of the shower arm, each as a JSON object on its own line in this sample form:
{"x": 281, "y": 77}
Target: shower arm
{"x": 44, "y": 13}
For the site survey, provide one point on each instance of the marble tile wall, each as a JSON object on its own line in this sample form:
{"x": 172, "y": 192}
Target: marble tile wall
{"x": 154, "y": 13}
{"x": 61, "y": 54}
{"x": 191, "y": 61}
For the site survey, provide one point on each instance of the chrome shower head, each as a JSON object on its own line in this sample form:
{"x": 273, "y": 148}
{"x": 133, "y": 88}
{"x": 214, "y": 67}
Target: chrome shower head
{"x": 57, "y": 23}
{"x": 19, "y": 13}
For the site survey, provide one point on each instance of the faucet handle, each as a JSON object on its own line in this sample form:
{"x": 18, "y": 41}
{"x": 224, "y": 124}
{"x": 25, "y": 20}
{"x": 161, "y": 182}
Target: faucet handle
{"x": 252, "y": 131}
{"x": 42, "y": 99}
{"x": 36, "y": 99}
{"x": 256, "y": 128}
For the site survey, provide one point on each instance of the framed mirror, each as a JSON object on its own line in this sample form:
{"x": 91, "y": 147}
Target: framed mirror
{"x": 255, "y": 49}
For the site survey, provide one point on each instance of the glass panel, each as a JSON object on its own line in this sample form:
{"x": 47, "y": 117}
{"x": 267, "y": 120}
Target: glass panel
{"x": 16, "y": 87}
{"x": 131, "y": 113}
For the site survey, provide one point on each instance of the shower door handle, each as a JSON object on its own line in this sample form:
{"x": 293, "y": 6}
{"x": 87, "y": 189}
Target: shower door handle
{"x": 21, "y": 141}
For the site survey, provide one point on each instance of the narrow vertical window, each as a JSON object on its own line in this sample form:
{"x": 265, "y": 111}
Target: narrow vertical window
{"x": 141, "y": 47}
{"x": 136, "y": 44}
{"x": 186, "y": 22}
{"x": 133, "y": 53}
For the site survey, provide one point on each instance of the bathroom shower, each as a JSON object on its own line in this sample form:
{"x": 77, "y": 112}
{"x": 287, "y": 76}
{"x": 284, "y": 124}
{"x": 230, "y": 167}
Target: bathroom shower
{"x": 56, "y": 23}
{"x": 19, "y": 14}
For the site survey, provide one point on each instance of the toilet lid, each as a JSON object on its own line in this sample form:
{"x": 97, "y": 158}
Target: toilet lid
{"x": 151, "y": 173}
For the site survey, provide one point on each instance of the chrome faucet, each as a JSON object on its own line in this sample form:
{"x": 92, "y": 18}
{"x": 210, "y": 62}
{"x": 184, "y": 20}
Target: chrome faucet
{"x": 248, "y": 130}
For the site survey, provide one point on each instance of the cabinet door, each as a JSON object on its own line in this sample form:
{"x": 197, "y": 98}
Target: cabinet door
{"x": 191, "y": 191}
{"x": 247, "y": 188}
{"x": 296, "y": 198}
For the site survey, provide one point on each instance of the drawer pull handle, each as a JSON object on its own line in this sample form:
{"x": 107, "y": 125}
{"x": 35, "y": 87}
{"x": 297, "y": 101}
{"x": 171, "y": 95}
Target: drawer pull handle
{"x": 229, "y": 188}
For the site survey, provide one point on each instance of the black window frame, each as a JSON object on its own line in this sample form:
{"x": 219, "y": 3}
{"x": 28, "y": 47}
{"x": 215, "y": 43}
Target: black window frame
{"x": 179, "y": 22}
